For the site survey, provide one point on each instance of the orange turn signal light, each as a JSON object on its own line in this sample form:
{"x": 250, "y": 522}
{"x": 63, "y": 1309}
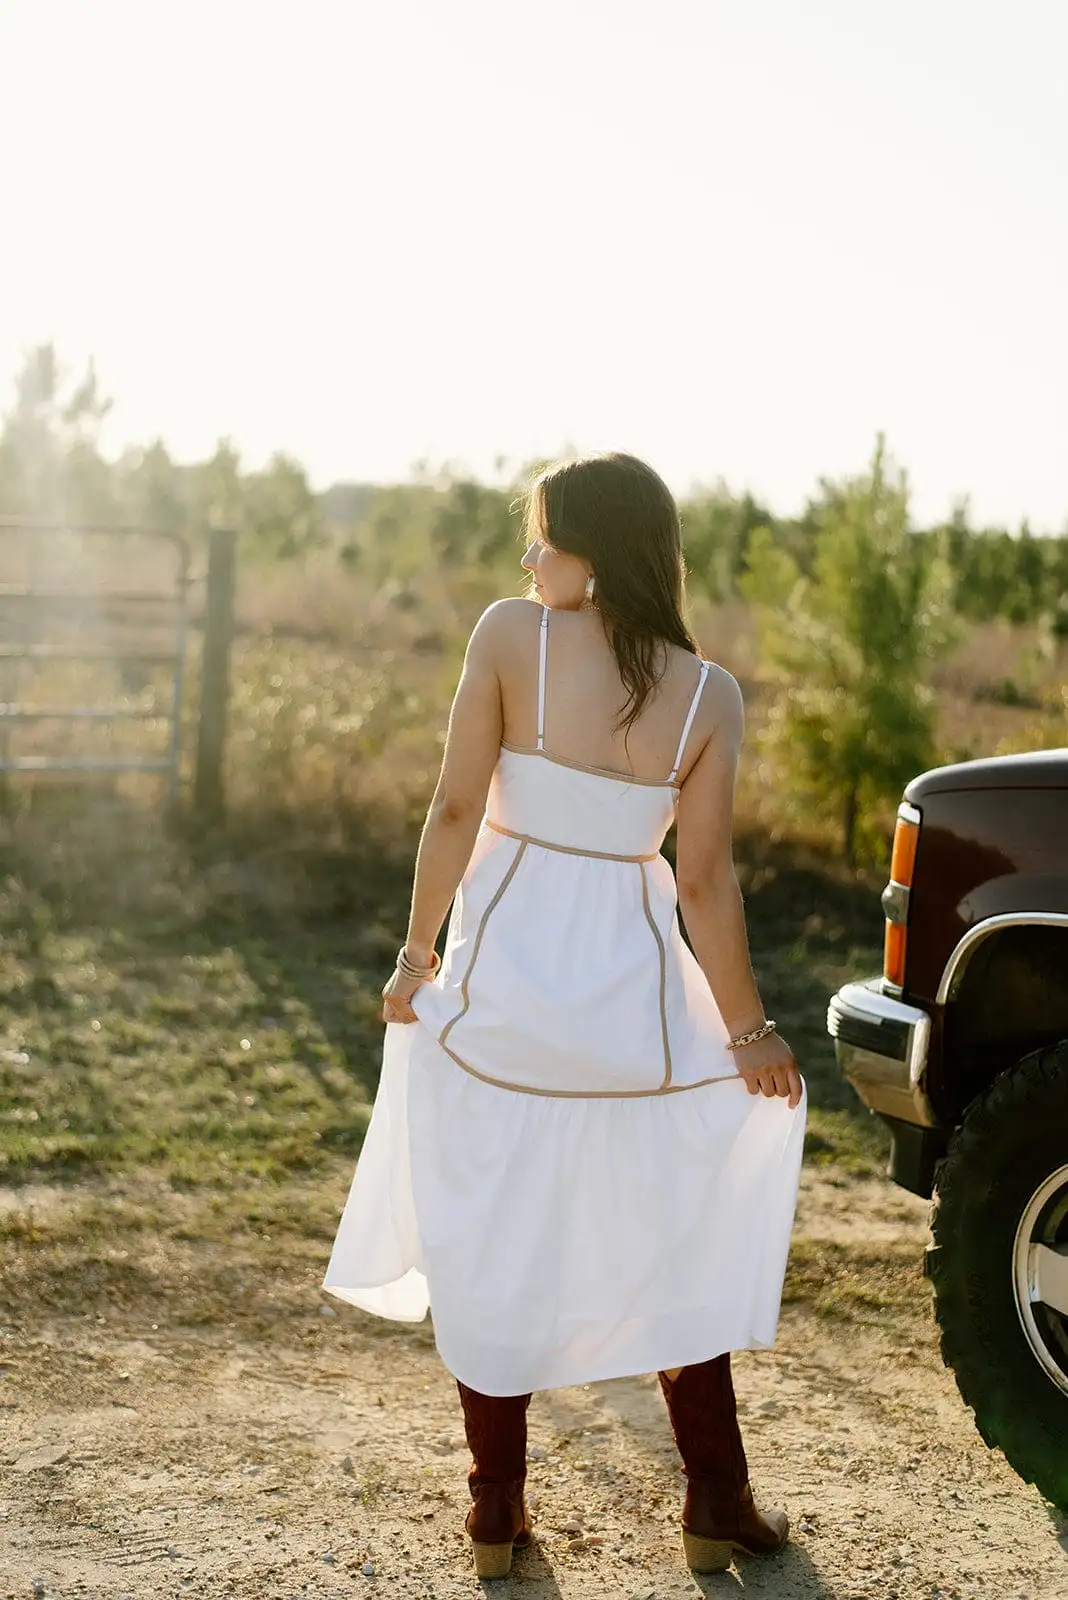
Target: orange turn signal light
{"x": 903, "y": 855}
{"x": 898, "y": 892}
{"x": 894, "y": 954}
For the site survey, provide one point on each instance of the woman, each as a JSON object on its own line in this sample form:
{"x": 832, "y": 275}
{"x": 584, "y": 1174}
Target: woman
{"x": 586, "y": 1144}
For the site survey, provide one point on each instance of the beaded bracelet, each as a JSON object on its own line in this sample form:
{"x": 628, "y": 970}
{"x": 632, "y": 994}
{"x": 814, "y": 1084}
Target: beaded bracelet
{"x": 751, "y": 1037}
{"x": 408, "y": 970}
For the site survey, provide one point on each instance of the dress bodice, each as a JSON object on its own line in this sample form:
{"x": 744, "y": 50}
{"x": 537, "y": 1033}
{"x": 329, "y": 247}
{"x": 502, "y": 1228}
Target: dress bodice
{"x": 541, "y": 797}
{"x": 538, "y": 795}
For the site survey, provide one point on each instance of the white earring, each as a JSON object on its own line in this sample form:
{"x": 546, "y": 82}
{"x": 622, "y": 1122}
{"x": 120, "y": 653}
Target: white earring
{"x": 591, "y": 585}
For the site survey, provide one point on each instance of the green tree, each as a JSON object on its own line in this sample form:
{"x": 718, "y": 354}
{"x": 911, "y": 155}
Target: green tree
{"x": 716, "y": 529}
{"x": 849, "y": 647}
{"x": 50, "y": 463}
{"x": 217, "y": 490}
{"x": 1029, "y": 590}
{"x": 282, "y": 518}
{"x": 472, "y": 525}
{"x": 156, "y": 490}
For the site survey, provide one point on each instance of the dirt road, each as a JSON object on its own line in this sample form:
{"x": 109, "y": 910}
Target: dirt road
{"x": 146, "y": 1456}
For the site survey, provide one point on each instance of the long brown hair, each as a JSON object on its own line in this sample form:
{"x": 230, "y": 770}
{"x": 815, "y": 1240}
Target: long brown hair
{"x": 620, "y": 516}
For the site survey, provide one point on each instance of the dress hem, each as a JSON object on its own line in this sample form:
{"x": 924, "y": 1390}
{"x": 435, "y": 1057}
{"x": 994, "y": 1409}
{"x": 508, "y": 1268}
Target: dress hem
{"x": 360, "y": 1296}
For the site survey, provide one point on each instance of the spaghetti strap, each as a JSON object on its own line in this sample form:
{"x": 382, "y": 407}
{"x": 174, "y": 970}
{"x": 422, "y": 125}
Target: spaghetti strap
{"x": 688, "y": 724}
{"x": 541, "y": 675}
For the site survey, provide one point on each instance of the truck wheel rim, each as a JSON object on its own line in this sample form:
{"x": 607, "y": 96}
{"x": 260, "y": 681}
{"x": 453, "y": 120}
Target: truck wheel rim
{"x": 1040, "y": 1275}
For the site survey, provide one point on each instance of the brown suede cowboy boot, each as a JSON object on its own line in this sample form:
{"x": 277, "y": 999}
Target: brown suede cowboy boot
{"x": 718, "y": 1514}
{"x": 496, "y": 1428}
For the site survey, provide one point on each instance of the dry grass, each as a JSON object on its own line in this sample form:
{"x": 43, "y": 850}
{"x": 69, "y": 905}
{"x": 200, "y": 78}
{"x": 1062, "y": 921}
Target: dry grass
{"x": 418, "y": 648}
{"x": 341, "y": 693}
{"x": 340, "y": 699}
{"x": 991, "y": 653}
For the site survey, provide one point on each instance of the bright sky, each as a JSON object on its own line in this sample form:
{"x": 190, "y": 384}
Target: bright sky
{"x": 736, "y": 237}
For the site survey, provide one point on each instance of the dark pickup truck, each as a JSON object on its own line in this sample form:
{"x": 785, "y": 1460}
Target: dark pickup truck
{"x": 961, "y": 1046}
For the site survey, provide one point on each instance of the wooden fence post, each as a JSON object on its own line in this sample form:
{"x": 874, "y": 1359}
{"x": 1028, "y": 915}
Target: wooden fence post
{"x": 208, "y": 795}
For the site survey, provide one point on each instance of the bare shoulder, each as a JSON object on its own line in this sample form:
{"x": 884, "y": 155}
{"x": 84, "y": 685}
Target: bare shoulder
{"x": 507, "y": 612}
{"x": 504, "y": 618}
{"x": 501, "y": 625}
{"x": 720, "y": 722}
{"x": 721, "y": 698}
{"x": 724, "y": 696}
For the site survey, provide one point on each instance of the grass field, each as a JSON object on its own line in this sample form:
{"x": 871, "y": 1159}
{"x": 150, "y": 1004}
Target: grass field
{"x": 182, "y": 1067}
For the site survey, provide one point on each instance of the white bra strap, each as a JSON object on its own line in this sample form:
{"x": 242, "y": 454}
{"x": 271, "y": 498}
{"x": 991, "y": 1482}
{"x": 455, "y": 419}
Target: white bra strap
{"x": 688, "y": 724}
{"x": 541, "y": 675}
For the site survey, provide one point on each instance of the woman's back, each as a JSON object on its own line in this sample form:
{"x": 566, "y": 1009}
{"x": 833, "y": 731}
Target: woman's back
{"x": 584, "y": 696}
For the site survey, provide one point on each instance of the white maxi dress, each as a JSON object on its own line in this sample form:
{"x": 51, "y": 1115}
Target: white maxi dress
{"x": 563, "y": 1162}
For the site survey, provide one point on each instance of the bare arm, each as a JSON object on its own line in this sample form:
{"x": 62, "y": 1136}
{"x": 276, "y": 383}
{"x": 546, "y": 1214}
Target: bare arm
{"x": 711, "y": 900}
{"x": 452, "y": 822}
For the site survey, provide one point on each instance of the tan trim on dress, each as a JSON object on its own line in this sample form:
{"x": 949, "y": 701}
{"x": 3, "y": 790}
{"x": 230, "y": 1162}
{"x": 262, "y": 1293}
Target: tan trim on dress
{"x": 566, "y": 849}
{"x": 658, "y": 936}
{"x": 582, "y": 766}
{"x": 587, "y": 1094}
{"x": 464, "y": 986}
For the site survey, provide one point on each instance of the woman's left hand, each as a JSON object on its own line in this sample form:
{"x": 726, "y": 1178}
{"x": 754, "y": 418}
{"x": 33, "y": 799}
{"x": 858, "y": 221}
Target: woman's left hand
{"x": 767, "y": 1066}
{"x": 397, "y": 999}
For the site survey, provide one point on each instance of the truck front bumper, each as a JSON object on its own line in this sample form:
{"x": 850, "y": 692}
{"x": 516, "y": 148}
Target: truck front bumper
{"x": 881, "y": 1044}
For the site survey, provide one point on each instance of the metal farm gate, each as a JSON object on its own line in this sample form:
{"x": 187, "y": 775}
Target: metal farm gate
{"x": 93, "y": 629}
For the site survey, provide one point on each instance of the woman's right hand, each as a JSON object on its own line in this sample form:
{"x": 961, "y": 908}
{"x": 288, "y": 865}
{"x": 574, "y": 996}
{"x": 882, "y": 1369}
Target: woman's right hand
{"x": 397, "y": 998}
{"x": 768, "y": 1067}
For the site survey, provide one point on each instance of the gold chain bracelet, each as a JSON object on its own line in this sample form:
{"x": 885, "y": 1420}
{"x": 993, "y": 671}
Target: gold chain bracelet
{"x": 755, "y": 1034}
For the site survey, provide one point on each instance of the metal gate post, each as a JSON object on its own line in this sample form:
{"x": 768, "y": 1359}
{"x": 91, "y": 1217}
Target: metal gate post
{"x": 208, "y": 796}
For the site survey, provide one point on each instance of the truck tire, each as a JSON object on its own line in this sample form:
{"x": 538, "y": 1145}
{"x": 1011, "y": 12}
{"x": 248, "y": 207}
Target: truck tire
{"x": 999, "y": 1227}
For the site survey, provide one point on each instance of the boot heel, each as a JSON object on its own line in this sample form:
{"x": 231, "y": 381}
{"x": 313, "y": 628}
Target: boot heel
{"x": 706, "y": 1555}
{"x": 492, "y": 1560}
